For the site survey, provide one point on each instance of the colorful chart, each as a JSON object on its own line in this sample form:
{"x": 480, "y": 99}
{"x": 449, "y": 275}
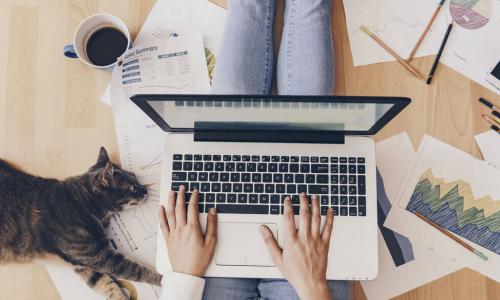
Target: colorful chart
{"x": 452, "y": 206}
{"x": 471, "y": 14}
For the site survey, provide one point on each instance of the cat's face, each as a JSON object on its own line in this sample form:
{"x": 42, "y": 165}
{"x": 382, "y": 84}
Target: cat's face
{"x": 119, "y": 188}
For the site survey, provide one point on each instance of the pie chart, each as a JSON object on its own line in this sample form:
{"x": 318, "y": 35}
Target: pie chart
{"x": 471, "y": 14}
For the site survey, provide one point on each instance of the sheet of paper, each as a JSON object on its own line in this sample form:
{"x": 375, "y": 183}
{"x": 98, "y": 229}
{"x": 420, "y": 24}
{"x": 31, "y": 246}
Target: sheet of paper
{"x": 395, "y": 156}
{"x": 459, "y": 193}
{"x": 400, "y": 23}
{"x": 169, "y": 17}
{"x": 489, "y": 144}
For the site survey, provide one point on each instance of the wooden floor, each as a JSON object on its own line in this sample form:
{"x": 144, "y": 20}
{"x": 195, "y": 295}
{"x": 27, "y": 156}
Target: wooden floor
{"x": 52, "y": 123}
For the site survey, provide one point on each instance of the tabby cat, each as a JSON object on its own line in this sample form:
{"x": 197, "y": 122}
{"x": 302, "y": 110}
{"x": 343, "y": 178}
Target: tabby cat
{"x": 68, "y": 218}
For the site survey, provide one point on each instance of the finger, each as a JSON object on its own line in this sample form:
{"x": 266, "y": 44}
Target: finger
{"x": 193, "y": 209}
{"x": 180, "y": 206}
{"x": 327, "y": 230}
{"x": 172, "y": 224}
{"x": 164, "y": 223}
{"x": 289, "y": 220}
{"x": 305, "y": 216}
{"x": 316, "y": 217}
{"x": 211, "y": 232}
{"x": 272, "y": 245}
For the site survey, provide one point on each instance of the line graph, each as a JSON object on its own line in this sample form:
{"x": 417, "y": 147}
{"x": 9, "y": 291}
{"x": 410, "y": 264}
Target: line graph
{"x": 453, "y": 206}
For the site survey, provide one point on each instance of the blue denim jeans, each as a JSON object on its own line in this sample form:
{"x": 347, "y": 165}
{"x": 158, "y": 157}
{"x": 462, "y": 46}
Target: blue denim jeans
{"x": 245, "y": 65}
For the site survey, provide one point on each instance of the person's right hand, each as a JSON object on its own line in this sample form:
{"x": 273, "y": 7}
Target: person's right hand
{"x": 303, "y": 259}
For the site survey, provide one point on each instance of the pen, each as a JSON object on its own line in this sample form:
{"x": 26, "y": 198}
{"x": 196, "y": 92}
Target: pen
{"x": 451, "y": 236}
{"x": 391, "y": 52}
{"x": 436, "y": 61}
{"x": 495, "y": 109}
{"x": 492, "y": 122}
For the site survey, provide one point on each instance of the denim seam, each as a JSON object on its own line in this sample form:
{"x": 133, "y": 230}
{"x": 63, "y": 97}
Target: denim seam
{"x": 265, "y": 89}
{"x": 291, "y": 26}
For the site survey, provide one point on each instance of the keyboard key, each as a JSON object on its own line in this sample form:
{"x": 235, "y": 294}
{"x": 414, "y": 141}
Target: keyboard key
{"x": 176, "y": 185}
{"x": 267, "y": 177}
{"x": 324, "y": 210}
{"x": 226, "y": 157}
{"x": 194, "y": 186}
{"x": 237, "y": 187}
{"x": 215, "y": 187}
{"x": 321, "y": 178}
{"x": 241, "y": 167}
{"x": 288, "y": 178}
{"x": 187, "y": 166}
{"x": 310, "y": 178}
{"x": 283, "y": 168}
{"x": 266, "y": 158}
{"x": 210, "y": 198}
{"x": 314, "y": 159}
{"x": 343, "y": 211}
{"x": 352, "y": 190}
{"x": 301, "y": 188}
{"x": 294, "y": 168}
{"x": 236, "y": 157}
{"x": 318, "y": 189}
{"x": 230, "y": 166}
{"x": 177, "y": 166}
{"x": 219, "y": 166}
{"x": 245, "y": 158}
{"x": 294, "y": 159}
{"x": 179, "y": 176}
{"x": 177, "y": 156}
{"x": 323, "y": 160}
{"x": 343, "y": 179}
{"x": 253, "y": 198}
{"x": 361, "y": 160}
{"x": 207, "y": 157}
{"x": 285, "y": 159}
{"x": 352, "y": 200}
{"x": 352, "y": 169}
{"x": 231, "y": 198}
{"x": 264, "y": 198}
{"x": 203, "y": 176}
{"x": 216, "y": 158}
{"x": 334, "y": 190}
{"x": 335, "y": 210}
{"x": 343, "y": 189}
{"x": 208, "y": 207}
{"x": 242, "y": 209}
{"x": 324, "y": 200}
{"x": 208, "y": 166}
{"x": 304, "y": 158}
{"x": 213, "y": 176}
{"x": 256, "y": 177}
{"x": 334, "y": 200}
{"x": 226, "y": 187}
{"x": 278, "y": 178}
{"x": 242, "y": 198}
{"x": 275, "y": 199}
{"x": 361, "y": 169}
{"x": 192, "y": 176}
{"x": 361, "y": 185}
{"x": 343, "y": 169}
{"x": 334, "y": 169}
{"x": 259, "y": 188}
{"x": 275, "y": 209}
{"x": 352, "y": 179}
{"x": 198, "y": 166}
{"x": 299, "y": 178}
{"x": 245, "y": 177}
{"x": 319, "y": 168}
{"x": 269, "y": 188}
{"x": 224, "y": 177}
{"x": 352, "y": 160}
{"x": 353, "y": 211}
{"x": 334, "y": 159}
{"x": 305, "y": 168}
{"x": 291, "y": 188}
{"x": 255, "y": 158}
{"x": 205, "y": 187}
{"x": 272, "y": 167}
{"x": 343, "y": 200}
{"x": 343, "y": 160}
{"x": 188, "y": 157}
{"x": 275, "y": 158}
{"x": 362, "y": 201}
{"x": 221, "y": 198}
{"x": 235, "y": 177}
{"x": 262, "y": 167}
{"x": 251, "y": 167}
{"x": 248, "y": 188}
{"x": 362, "y": 211}
{"x": 334, "y": 179}
{"x": 280, "y": 188}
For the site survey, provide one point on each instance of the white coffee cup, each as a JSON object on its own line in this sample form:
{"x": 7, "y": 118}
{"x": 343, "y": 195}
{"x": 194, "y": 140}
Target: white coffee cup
{"x": 85, "y": 30}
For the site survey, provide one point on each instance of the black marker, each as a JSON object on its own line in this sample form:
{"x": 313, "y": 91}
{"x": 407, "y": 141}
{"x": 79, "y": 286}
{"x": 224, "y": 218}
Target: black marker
{"x": 436, "y": 61}
{"x": 495, "y": 109}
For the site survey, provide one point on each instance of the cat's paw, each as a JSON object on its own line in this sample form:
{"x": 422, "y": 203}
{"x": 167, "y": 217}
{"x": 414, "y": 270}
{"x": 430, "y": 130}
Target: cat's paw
{"x": 116, "y": 293}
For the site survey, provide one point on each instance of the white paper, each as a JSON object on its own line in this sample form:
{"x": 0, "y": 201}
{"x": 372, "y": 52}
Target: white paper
{"x": 183, "y": 17}
{"x": 395, "y": 156}
{"x": 452, "y": 167}
{"x": 489, "y": 144}
{"x": 471, "y": 52}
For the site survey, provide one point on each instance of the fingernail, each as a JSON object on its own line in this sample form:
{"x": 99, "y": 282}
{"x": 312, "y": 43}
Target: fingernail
{"x": 212, "y": 211}
{"x": 262, "y": 229}
{"x": 195, "y": 191}
{"x": 330, "y": 210}
{"x": 181, "y": 187}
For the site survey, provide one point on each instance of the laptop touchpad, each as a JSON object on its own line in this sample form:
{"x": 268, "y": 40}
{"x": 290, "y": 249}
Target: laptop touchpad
{"x": 241, "y": 244}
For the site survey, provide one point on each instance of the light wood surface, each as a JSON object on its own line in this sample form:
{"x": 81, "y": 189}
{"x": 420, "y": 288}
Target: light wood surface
{"x": 52, "y": 122}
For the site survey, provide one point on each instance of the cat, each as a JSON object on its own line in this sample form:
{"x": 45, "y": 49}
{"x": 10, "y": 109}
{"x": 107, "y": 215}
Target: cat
{"x": 68, "y": 219}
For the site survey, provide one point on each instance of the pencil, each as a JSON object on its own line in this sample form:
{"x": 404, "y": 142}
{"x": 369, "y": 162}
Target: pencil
{"x": 490, "y": 120}
{"x": 391, "y": 52}
{"x": 495, "y": 110}
{"x": 426, "y": 30}
{"x": 440, "y": 52}
{"x": 451, "y": 236}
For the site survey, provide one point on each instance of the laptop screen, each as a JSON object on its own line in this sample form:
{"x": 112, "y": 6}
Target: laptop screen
{"x": 346, "y": 114}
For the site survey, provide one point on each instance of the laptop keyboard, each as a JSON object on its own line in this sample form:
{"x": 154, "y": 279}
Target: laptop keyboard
{"x": 254, "y": 184}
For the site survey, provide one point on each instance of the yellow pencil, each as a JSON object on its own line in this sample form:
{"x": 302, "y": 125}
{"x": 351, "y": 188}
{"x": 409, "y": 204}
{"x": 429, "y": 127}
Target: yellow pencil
{"x": 391, "y": 52}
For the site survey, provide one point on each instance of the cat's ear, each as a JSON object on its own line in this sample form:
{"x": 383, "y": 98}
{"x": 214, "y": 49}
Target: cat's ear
{"x": 103, "y": 157}
{"x": 106, "y": 174}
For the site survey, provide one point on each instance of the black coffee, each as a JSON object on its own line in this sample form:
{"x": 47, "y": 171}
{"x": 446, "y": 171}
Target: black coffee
{"x": 105, "y": 45}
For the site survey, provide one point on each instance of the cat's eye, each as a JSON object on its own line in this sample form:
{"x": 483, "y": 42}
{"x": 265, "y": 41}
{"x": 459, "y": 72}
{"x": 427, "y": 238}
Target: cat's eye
{"x": 132, "y": 188}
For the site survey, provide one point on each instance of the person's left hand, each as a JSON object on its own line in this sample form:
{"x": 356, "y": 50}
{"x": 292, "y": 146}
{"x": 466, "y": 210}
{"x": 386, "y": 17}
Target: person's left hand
{"x": 190, "y": 251}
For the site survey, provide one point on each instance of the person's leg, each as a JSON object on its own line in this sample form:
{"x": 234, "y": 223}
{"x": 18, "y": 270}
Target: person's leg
{"x": 275, "y": 289}
{"x": 245, "y": 59}
{"x": 305, "y": 60}
{"x": 230, "y": 288}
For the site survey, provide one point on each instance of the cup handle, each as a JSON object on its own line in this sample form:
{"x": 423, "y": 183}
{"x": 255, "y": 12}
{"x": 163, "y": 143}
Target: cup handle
{"x": 69, "y": 51}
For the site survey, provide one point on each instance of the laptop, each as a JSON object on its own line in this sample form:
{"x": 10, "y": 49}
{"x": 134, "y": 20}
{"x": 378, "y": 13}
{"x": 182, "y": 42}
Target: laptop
{"x": 246, "y": 153}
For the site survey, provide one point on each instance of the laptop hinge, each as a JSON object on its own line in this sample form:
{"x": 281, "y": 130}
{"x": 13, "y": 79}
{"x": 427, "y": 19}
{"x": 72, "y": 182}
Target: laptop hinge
{"x": 269, "y": 136}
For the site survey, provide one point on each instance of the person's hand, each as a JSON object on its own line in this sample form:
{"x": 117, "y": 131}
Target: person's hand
{"x": 303, "y": 259}
{"x": 190, "y": 251}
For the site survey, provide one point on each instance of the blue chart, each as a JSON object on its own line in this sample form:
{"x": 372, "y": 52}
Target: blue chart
{"x": 452, "y": 206}
{"x": 399, "y": 246}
